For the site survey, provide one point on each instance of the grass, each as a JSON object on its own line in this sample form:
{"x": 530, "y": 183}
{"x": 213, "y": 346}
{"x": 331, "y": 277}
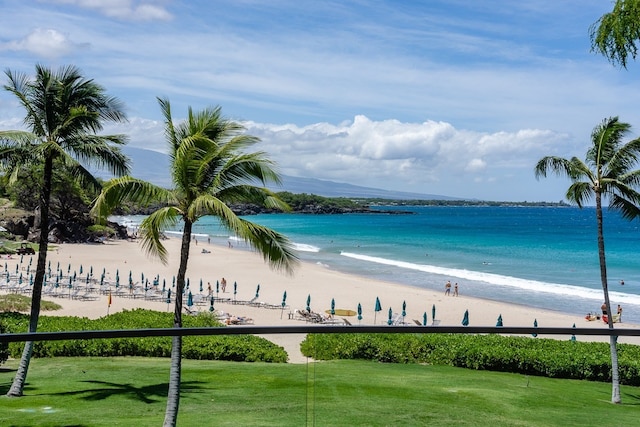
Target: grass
{"x": 132, "y": 391}
{"x": 22, "y": 304}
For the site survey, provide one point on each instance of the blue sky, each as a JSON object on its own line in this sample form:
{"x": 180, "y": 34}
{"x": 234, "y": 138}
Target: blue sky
{"x": 451, "y": 97}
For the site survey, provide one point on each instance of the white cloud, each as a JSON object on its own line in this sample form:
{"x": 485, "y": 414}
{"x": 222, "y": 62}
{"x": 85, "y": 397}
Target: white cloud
{"x": 43, "y": 42}
{"x": 128, "y": 10}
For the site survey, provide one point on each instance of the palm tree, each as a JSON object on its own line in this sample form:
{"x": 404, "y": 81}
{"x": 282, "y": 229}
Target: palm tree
{"x": 616, "y": 35}
{"x": 64, "y": 111}
{"x": 607, "y": 171}
{"x": 209, "y": 168}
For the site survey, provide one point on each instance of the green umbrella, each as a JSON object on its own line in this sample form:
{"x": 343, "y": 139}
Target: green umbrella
{"x": 211, "y": 304}
{"x": 169, "y": 296}
{"x": 80, "y": 268}
{"x": 333, "y": 306}
{"x": 535, "y": 325}
{"x": 258, "y": 290}
{"x": 424, "y": 319}
{"x": 389, "y": 322}
{"x": 235, "y": 289}
{"x": 309, "y": 302}
{"x": 284, "y": 303}
{"x": 433, "y": 314}
{"x": 217, "y": 287}
{"x": 573, "y": 337}
{"x": 376, "y": 309}
{"x": 189, "y": 300}
{"x": 499, "y": 322}
{"x": 465, "y": 318}
{"x": 201, "y": 285}
{"x": 359, "y": 312}
{"x": 404, "y": 309}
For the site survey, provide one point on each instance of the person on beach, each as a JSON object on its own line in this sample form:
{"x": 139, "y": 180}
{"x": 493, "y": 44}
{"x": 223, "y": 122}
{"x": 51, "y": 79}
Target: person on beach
{"x": 223, "y": 284}
{"x": 209, "y": 289}
{"x": 455, "y": 290}
{"x": 619, "y": 313}
{"x": 447, "y": 288}
{"x": 604, "y": 308}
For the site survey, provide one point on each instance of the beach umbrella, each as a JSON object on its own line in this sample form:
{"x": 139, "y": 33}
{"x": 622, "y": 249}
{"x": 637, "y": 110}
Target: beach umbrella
{"x": 535, "y": 325}
{"x": 87, "y": 282}
{"x": 102, "y": 280}
{"x": 57, "y": 281}
{"x": 17, "y": 268}
{"x": 117, "y": 280}
{"x": 235, "y": 289}
{"x": 168, "y": 298}
{"x": 465, "y": 318}
{"x": 21, "y": 258}
{"x": 376, "y": 309}
{"x": 404, "y": 309}
{"x": 433, "y": 314}
{"x": 173, "y": 282}
{"x": 74, "y": 276}
{"x": 130, "y": 276}
{"x": 424, "y": 319}
{"x": 190, "y": 300}
{"x": 141, "y": 277}
{"x": 69, "y": 269}
{"x": 499, "y": 322}
{"x": 80, "y": 268}
{"x": 309, "y": 302}
{"x": 91, "y": 270}
{"x": 217, "y": 287}
{"x": 201, "y": 285}
{"x": 573, "y": 337}
{"x": 390, "y": 321}
{"x": 284, "y": 302}
{"x": 20, "y": 279}
{"x": 359, "y": 312}
{"x": 257, "y": 290}
{"x": 211, "y": 305}
{"x": 333, "y": 306}
{"x": 164, "y": 285}
{"x": 188, "y": 281}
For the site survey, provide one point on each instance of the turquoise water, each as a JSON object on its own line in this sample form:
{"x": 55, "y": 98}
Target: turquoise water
{"x": 543, "y": 257}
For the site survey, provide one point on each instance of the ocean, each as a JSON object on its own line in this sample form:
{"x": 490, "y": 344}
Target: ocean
{"x": 544, "y": 257}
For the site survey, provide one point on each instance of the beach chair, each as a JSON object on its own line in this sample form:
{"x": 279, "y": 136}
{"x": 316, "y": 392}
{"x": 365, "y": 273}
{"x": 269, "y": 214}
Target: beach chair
{"x": 417, "y": 322}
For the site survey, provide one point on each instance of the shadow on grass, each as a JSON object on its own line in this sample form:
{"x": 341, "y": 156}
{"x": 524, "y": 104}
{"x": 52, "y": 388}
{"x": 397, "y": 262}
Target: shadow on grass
{"x": 147, "y": 394}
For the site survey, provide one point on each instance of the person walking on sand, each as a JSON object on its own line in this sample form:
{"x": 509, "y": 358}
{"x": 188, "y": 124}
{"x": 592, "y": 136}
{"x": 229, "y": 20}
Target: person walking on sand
{"x": 619, "y": 313}
{"x": 209, "y": 292}
{"x": 223, "y": 284}
{"x": 447, "y": 288}
{"x": 455, "y": 290}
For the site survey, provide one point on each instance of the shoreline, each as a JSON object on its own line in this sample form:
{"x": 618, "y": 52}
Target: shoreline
{"x": 247, "y": 269}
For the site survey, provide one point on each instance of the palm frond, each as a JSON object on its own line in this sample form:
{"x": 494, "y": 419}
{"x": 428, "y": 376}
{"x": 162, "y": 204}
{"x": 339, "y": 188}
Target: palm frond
{"x": 276, "y": 249}
{"x": 126, "y": 188}
{"x": 151, "y": 229}
{"x": 580, "y": 193}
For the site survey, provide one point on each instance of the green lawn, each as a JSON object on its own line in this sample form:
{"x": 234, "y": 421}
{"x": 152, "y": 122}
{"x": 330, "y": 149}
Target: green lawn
{"x": 132, "y": 392}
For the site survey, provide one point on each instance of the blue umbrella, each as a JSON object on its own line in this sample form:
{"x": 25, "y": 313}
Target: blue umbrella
{"x": 201, "y": 285}
{"x": 573, "y": 337}
{"x": 376, "y": 309}
{"x": 211, "y": 304}
{"x": 465, "y": 318}
{"x": 235, "y": 289}
{"x": 284, "y": 303}
{"x": 74, "y": 276}
{"x": 69, "y": 269}
{"x": 257, "y": 290}
{"x": 333, "y": 306}
{"x": 80, "y": 268}
{"x": 189, "y": 300}
{"x": 164, "y": 285}
{"x": 390, "y": 321}
{"x": 17, "y": 268}
{"x": 433, "y": 314}
{"x": 499, "y": 322}
{"x": 424, "y": 319}
{"x": 404, "y": 309}
{"x": 188, "y": 281}
{"x": 169, "y": 296}
{"x": 217, "y": 287}
{"x": 142, "y": 277}
{"x": 535, "y": 325}
{"x": 309, "y": 302}
{"x": 359, "y": 312}
{"x": 130, "y": 276}
{"x": 91, "y": 270}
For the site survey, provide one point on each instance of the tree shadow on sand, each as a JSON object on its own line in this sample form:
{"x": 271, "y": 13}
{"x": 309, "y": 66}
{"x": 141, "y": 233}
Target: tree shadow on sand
{"x": 148, "y": 394}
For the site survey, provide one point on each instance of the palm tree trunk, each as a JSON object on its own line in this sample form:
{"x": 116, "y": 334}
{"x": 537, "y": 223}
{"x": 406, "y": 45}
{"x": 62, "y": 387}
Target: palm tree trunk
{"x": 17, "y": 386}
{"x": 615, "y": 378}
{"x": 173, "y": 396}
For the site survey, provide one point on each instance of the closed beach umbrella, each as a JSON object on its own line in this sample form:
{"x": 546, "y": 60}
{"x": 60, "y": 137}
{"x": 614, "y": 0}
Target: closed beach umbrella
{"x": 211, "y": 305}
{"x": 333, "y": 306}
{"x": 173, "y": 282}
{"x": 188, "y": 283}
{"x": 17, "y": 268}
{"x": 130, "y": 276}
{"x": 573, "y": 337}
{"x": 390, "y": 321}
{"x": 257, "y": 290}
{"x": 376, "y": 309}
{"x": 309, "y": 302}
{"x": 69, "y": 269}
{"x": 424, "y": 319}
{"x": 201, "y": 285}
{"x": 74, "y": 276}
{"x": 91, "y": 270}
{"x": 499, "y": 322}
{"x": 142, "y": 277}
{"x": 80, "y": 268}
{"x": 433, "y": 314}
{"x": 465, "y": 318}
{"x": 164, "y": 285}
{"x": 359, "y": 312}
{"x": 284, "y": 303}
{"x": 169, "y": 296}
{"x": 404, "y": 309}
{"x": 218, "y": 287}
{"x": 235, "y": 289}
{"x": 535, "y": 325}
{"x": 189, "y": 300}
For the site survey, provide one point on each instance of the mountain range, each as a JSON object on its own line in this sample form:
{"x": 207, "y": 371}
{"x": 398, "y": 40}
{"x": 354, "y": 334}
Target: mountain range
{"x": 153, "y": 166}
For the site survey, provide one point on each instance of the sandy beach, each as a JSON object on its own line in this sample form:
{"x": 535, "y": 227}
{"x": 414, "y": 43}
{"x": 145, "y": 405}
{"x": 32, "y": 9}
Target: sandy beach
{"x": 248, "y": 269}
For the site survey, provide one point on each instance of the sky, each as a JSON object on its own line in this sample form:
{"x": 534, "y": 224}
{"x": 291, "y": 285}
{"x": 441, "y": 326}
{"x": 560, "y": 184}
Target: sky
{"x": 451, "y": 97}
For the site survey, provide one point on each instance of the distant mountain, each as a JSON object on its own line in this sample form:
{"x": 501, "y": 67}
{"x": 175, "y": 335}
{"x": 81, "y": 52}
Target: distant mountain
{"x": 154, "y": 167}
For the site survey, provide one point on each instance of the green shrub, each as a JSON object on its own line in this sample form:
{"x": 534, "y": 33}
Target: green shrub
{"x": 246, "y": 348}
{"x": 542, "y": 357}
